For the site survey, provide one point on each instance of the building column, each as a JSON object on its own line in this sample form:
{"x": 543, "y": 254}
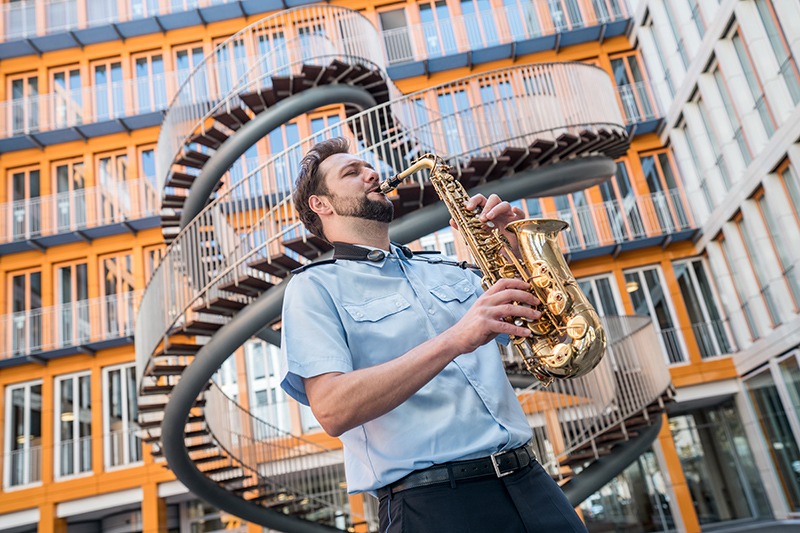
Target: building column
{"x": 154, "y": 510}
{"x": 357, "y": 510}
{"x": 681, "y": 504}
{"x": 49, "y": 522}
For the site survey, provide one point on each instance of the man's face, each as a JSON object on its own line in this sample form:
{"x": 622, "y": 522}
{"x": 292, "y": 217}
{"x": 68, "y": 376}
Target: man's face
{"x": 353, "y": 189}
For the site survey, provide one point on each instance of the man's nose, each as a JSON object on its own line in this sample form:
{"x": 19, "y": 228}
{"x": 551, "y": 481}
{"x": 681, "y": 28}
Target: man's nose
{"x": 372, "y": 175}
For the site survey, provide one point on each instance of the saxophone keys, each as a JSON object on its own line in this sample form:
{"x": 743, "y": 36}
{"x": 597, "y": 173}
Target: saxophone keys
{"x": 577, "y": 327}
{"x": 556, "y": 302}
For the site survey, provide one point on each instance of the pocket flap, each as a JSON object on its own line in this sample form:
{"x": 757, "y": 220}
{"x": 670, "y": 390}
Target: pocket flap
{"x": 460, "y": 291}
{"x": 376, "y": 309}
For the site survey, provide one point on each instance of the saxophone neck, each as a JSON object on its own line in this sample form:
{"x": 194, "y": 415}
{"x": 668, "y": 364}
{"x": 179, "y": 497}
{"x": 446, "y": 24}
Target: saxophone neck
{"x": 428, "y": 161}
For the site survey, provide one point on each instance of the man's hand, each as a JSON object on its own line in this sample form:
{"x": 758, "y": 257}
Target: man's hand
{"x": 495, "y": 213}
{"x": 484, "y": 321}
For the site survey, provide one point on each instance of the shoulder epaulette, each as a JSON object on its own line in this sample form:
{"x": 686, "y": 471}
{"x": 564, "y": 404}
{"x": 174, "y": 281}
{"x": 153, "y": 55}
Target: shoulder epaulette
{"x": 310, "y": 265}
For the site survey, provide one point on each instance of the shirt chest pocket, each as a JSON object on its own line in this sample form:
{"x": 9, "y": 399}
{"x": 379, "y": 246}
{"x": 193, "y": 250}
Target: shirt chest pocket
{"x": 377, "y": 309}
{"x": 460, "y": 290}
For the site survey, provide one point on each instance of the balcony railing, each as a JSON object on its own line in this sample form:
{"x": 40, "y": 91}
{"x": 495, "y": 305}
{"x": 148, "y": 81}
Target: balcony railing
{"x": 638, "y": 102}
{"x": 103, "y": 205}
{"x": 713, "y": 338}
{"x": 74, "y": 456}
{"x": 502, "y": 25}
{"x": 32, "y": 18}
{"x": 74, "y": 324}
{"x": 123, "y": 447}
{"x": 23, "y": 466}
{"x": 89, "y": 104}
{"x": 614, "y": 222}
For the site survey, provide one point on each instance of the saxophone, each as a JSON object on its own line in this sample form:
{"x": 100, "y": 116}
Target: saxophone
{"x": 568, "y": 340}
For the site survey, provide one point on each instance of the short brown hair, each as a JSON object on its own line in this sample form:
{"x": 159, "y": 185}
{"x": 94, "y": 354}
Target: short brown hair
{"x": 310, "y": 181}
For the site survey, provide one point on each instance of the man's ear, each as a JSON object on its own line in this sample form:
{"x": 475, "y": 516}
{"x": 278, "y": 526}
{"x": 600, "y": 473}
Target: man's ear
{"x": 320, "y": 205}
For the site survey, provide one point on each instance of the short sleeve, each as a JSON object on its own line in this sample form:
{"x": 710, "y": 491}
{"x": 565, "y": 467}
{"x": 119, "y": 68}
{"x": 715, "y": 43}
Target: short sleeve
{"x": 313, "y": 340}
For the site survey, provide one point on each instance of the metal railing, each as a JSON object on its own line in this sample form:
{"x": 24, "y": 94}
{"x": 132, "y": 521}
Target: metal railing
{"x": 291, "y": 468}
{"x": 123, "y": 447}
{"x": 638, "y": 102}
{"x": 102, "y": 205}
{"x": 23, "y": 466}
{"x": 89, "y": 104}
{"x": 66, "y": 325}
{"x": 253, "y": 217}
{"x": 317, "y": 35}
{"x": 615, "y": 222}
{"x": 33, "y": 18}
{"x": 491, "y": 27}
{"x": 713, "y": 338}
{"x": 632, "y": 375}
{"x": 74, "y": 456}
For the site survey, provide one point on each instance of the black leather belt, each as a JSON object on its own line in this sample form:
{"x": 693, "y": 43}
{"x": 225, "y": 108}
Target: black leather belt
{"x": 498, "y": 465}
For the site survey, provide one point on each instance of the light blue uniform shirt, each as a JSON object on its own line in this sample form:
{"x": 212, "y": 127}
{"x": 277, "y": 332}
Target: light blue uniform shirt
{"x": 349, "y": 315}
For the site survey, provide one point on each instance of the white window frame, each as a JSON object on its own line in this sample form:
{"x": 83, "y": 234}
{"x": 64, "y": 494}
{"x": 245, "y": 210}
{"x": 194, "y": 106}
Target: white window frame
{"x": 27, "y": 385}
{"x": 126, "y": 424}
{"x": 614, "y": 290}
{"x": 75, "y": 378}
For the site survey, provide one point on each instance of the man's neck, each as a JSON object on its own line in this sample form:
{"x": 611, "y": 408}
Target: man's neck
{"x": 361, "y": 231}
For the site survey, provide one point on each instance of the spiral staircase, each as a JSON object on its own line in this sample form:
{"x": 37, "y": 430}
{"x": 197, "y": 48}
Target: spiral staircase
{"x": 233, "y": 238}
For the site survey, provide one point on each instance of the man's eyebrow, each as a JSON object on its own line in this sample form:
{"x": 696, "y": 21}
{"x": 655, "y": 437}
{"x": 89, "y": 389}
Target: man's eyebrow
{"x": 351, "y": 164}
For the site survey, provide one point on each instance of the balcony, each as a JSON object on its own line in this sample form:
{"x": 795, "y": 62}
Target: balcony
{"x": 37, "y": 26}
{"x": 642, "y": 113}
{"x": 80, "y": 215}
{"x": 91, "y": 111}
{"x": 614, "y": 227}
{"x": 504, "y": 32}
{"x": 82, "y": 326}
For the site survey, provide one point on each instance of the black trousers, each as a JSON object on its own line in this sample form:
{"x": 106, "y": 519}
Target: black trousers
{"x": 526, "y": 501}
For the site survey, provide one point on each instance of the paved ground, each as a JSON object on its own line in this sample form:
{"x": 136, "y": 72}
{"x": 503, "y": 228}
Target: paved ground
{"x": 783, "y": 526}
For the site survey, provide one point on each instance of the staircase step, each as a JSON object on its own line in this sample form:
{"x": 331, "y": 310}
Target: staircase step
{"x": 220, "y": 469}
{"x": 203, "y": 446}
{"x": 157, "y": 389}
{"x": 178, "y": 348}
{"x": 220, "y": 306}
{"x": 195, "y": 433}
{"x": 167, "y": 370}
{"x": 200, "y": 327}
{"x": 173, "y": 201}
{"x": 192, "y": 158}
{"x": 180, "y": 180}
{"x": 279, "y": 265}
{"x": 212, "y": 138}
{"x": 586, "y": 455}
{"x": 233, "y": 119}
{"x": 156, "y": 407}
{"x": 309, "y": 247}
{"x": 247, "y": 285}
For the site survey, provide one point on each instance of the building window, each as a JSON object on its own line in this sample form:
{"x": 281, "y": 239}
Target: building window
{"x": 674, "y": 28}
{"x": 73, "y": 422}
{"x": 437, "y": 28}
{"x": 24, "y": 116}
{"x": 285, "y": 168}
{"x": 522, "y": 19}
{"x": 602, "y": 294}
{"x": 268, "y": 401}
{"x": 122, "y": 445}
{"x": 118, "y": 296}
{"x": 632, "y": 88}
{"x": 757, "y": 260}
{"x": 396, "y": 36}
{"x": 23, "y": 431}
{"x": 26, "y": 313}
{"x": 152, "y": 258}
{"x": 25, "y": 212}
{"x": 775, "y": 396}
{"x": 109, "y": 97}
{"x": 665, "y": 196}
{"x": 777, "y": 39}
{"x": 791, "y": 182}
{"x": 67, "y": 97}
{"x": 151, "y": 84}
{"x": 709, "y": 328}
{"x": 712, "y": 137}
{"x": 230, "y": 64}
{"x": 70, "y": 204}
{"x": 479, "y": 23}
{"x": 565, "y": 14}
{"x": 187, "y": 57}
{"x": 20, "y": 19}
{"x": 739, "y": 287}
{"x": 718, "y": 464}
{"x": 72, "y": 287}
{"x": 788, "y": 257}
{"x": 649, "y": 296}
{"x": 733, "y": 117}
{"x": 753, "y": 83}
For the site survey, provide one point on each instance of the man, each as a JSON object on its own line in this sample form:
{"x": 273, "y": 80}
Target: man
{"x": 394, "y": 355}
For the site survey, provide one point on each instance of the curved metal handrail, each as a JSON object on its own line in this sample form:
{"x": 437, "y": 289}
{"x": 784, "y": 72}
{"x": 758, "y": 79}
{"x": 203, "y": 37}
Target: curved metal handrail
{"x": 253, "y": 215}
{"x": 349, "y": 31}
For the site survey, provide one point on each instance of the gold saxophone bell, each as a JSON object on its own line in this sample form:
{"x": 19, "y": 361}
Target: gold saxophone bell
{"x": 568, "y": 340}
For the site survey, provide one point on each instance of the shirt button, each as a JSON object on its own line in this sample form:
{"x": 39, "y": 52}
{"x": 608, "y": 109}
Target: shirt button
{"x": 466, "y": 289}
{"x": 359, "y": 314}
{"x": 431, "y": 311}
{"x": 398, "y": 304}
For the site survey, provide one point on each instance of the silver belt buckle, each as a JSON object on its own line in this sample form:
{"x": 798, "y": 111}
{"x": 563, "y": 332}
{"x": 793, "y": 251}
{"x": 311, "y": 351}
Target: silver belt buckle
{"x": 497, "y": 466}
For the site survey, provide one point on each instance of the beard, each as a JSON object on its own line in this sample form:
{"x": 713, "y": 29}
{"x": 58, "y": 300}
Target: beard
{"x": 364, "y": 207}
